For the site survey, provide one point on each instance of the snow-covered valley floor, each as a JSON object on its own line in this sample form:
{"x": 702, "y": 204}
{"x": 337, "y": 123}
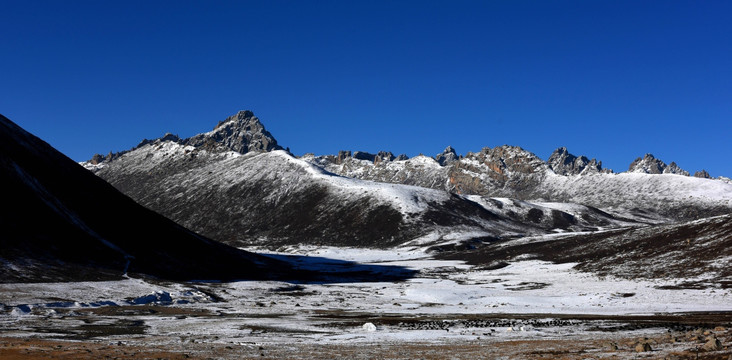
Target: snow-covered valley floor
{"x": 375, "y": 297}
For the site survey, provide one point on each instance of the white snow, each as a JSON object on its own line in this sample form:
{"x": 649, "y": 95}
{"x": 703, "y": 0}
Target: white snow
{"x": 278, "y": 312}
{"x": 406, "y": 198}
{"x": 619, "y": 189}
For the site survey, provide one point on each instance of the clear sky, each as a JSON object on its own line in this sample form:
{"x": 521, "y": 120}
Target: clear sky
{"x": 607, "y": 79}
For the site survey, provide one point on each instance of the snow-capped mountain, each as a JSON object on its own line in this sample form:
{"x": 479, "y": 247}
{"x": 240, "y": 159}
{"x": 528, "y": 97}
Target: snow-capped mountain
{"x": 244, "y": 196}
{"x": 234, "y": 184}
{"x": 62, "y": 223}
{"x": 650, "y": 191}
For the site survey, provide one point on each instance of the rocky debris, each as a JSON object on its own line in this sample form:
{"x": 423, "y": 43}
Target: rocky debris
{"x": 702, "y": 174}
{"x": 712, "y": 344}
{"x": 643, "y": 347}
{"x": 447, "y": 157}
{"x": 613, "y": 346}
{"x": 564, "y": 163}
{"x": 648, "y": 164}
{"x": 242, "y": 132}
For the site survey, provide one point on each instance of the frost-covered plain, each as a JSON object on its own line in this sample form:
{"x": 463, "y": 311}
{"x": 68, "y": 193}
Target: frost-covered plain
{"x": 440, "y": 301}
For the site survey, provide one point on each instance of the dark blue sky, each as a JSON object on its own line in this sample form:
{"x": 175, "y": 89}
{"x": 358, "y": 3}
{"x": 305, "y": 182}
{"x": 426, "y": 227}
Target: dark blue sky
{"x": 607, "y": 79}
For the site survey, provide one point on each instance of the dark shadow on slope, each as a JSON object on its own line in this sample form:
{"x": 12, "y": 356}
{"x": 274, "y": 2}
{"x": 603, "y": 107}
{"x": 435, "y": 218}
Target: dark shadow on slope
{"x": 691, "y": 252}
{"x": 322, "y": 270}
{"x": 60, "y": 222}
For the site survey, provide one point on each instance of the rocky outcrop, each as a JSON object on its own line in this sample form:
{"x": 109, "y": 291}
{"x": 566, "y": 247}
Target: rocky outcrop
{"x": 362, "y": 155}
{"x": 242, "y": 133}
{"x": 447, "y": 157}
{"x": 564, "y": 163}
{"x": 378, "y": 158}
{"x": 499, "y": 171}
{"x": 672, "y": 168}
{"x": 643, "y": 347}
{"x": 702, "y": 174}
{"x": 648, "y": 164}
{"x": 712, "y": 344}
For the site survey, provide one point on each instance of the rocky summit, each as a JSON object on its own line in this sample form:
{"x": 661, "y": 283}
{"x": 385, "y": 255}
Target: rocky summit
{"x": 242, "y": 132}
{"x": 564, "y": 163}
{"x": 648, "y": 164}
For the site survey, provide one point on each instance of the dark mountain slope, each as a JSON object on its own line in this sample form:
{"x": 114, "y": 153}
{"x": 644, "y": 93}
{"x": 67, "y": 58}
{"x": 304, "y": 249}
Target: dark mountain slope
{"x": 59, "y": 222}
{"x": 699, "y": 252}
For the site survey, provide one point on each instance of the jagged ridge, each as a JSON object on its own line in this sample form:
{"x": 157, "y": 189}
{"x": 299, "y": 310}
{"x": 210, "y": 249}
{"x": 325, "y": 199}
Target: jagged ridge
{"x": 272, "y": 198}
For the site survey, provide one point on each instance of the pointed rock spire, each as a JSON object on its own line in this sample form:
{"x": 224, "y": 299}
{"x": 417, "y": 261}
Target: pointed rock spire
{"x": 564, "y": 163}
{"x": 242, "y": 132}
{"x": 672, "y": 168}
{"x": 648, "y": 164}
{"x": 447, "y": 156}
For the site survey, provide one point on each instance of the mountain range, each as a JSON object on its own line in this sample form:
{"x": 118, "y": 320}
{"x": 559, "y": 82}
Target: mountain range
{"x": 237, "y": 185}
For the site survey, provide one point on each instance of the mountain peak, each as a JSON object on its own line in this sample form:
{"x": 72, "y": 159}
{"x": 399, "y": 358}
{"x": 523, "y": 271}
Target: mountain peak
{"x": 241, "y": 132}
{"x": 447, "y": 156}
{"x": 243, "y": 116}
{"x": 648, "y": 164}
{"x": 672, "y": 168}
{"x": 564, "y": 163}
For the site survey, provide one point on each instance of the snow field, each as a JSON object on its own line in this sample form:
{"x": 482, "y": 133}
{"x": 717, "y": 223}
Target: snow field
{"x": 274, "y": 311}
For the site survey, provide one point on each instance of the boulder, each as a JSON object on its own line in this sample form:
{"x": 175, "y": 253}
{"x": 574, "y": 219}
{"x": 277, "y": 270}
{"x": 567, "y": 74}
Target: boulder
{"x": 643, "y": 347}
{"x": 712, "y": 344}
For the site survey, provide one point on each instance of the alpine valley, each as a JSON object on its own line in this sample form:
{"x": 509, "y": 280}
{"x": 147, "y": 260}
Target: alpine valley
{"x": 474, "y": 252}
